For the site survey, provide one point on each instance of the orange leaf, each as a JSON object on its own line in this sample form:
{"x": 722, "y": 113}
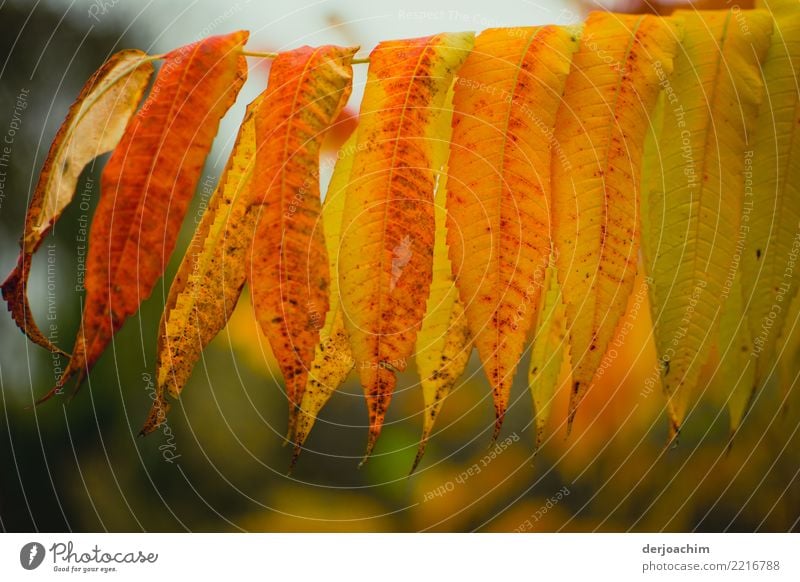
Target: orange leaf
{"x": 499, "y": 188}
{"x": 388, "y": 228}
{"x": 601, "y": 127}
{"x": 308, "y": 88}
{"x": 340, "y": 131}
{"x": 93, "y": 126}
{"x": 147, "y": 185}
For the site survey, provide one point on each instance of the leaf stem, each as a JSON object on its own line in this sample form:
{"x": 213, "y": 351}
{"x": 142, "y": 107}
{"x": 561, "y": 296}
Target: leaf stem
{"x": 263, "y": 55}
{"x": 259, "y": 54}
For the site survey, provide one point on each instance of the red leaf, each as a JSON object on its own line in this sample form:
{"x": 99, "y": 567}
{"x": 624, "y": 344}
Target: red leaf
{"x": 147, "y": 185}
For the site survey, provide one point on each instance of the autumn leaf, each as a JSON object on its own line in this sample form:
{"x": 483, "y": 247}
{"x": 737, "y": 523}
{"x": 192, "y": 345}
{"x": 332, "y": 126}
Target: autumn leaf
{"x": 387, "y": 235}
{"x": 779, "y": 9}
{"x": 147, "y": 185}
{"x": 211, "y": 275}
{"x": 549, "y": 353}
{"x": 788, "y": 350}
{"x": 498, "y": 204}
{"x": 93, "y": 126}
{"x": 601, "y": 128}
{"x": 340, "y": 131}
{"x": 736, "y": 371}
{"x": 443, "y": 344}
{"x": 772, "y": 197}
{"x": 695, "y": 200}
{"x": 333, "y": 358}
{"x": 288, "y": 276}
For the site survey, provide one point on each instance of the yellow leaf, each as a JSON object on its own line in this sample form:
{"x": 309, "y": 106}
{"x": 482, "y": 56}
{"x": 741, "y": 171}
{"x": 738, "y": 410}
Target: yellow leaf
{"x": 779, "y": 8}
{"x": 498, "y": 201}
{"x": 387, "y": 235}
{"x": 789, "y": 357}
{"x": 601, "y": 127}
{"x": 443, "y": 344}
{"x": 736, "y": 372}
{"x": 333, "y": 359}
{"x": 771, "y": 213}
{"x": 289, "y": 279}
{"x": 693, "y": 242}
{"x": 208, "y": 283}
{"x": 93, "y": 126}
{"x": 549, "y": 352}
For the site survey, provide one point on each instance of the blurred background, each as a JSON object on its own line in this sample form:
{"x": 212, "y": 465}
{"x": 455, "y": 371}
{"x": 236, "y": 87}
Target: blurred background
{"x": 219, "y": 463}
